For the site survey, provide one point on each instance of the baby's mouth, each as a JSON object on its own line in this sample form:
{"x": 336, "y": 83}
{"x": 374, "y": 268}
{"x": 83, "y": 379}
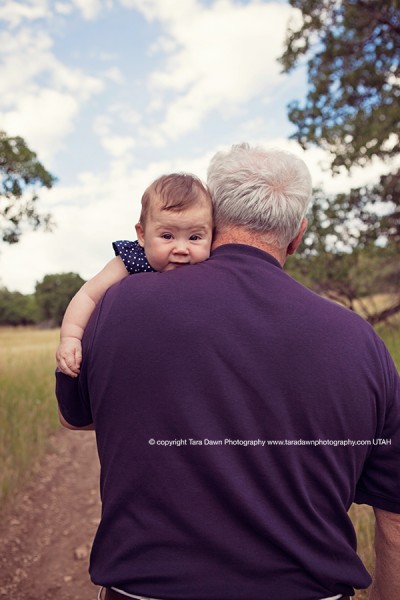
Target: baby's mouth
{"x": 176, "y": 265}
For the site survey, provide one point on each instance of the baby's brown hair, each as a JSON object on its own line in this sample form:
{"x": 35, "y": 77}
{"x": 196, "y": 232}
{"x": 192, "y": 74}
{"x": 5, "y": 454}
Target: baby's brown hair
{"x": 174, "y": 192}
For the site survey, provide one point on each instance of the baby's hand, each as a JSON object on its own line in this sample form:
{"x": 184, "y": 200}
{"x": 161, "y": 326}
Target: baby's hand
{"x": 69, "y": 356}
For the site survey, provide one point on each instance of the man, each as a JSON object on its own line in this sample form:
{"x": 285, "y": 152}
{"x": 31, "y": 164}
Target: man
{"x": 237, "y": 414}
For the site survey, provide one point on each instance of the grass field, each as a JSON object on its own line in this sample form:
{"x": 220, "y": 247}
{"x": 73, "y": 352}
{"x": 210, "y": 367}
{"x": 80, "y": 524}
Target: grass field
{"x": 27, "y": 404}
{"x": 28, "y": 413}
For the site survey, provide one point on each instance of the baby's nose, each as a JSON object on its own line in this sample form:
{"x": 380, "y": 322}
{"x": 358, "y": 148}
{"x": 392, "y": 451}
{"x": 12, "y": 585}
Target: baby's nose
{"x": 181, "y": 247}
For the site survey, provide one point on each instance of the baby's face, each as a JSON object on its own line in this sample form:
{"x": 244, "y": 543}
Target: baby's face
{"x": 175, "y": 239}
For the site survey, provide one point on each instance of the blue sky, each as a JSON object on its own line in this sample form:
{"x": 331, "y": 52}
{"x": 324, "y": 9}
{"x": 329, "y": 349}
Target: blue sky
{"x": 113, "y": 93}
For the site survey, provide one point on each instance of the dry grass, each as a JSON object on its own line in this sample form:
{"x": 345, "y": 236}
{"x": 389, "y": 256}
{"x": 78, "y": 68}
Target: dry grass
{"x": 27, "y": 405}
{"x": 375, "y": 303}
{"x": 363, "y": 520}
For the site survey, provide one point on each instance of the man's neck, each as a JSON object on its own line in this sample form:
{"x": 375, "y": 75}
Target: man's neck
{"x": 240, "y": 235}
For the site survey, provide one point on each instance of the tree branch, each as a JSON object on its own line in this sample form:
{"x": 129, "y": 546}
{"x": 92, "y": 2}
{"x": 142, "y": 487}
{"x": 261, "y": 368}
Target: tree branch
{"x": 379, "y": 16}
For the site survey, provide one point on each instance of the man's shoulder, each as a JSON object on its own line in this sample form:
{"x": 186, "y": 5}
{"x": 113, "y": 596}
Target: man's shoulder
{"x": 329, "y": 316}
{"x": 154, "y": 287}
{"x": 324, "y": 304}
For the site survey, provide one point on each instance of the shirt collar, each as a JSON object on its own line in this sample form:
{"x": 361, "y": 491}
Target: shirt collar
{"x": 245, "y": 250}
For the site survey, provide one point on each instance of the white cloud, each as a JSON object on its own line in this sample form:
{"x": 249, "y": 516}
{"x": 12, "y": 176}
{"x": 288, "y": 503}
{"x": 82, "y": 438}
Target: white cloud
{"x": 15, "y": 12}
{"x": 25, "y": 56}
{"x": 89, "y": 8}
{"x": 43, "y": 96}
{"x": 116, "y": 145}
{"x": 151, "y": 137}
{"x": 63, "y": 8}
{"x": 163, "y": 44}
{"x": 252, "y": 126}
{"x": 29, "y": 55}
{"x": 106, "y": 56}
{"x": 219, "y": 57}
{"x": 101, "y": 125}
{"x": 126, "y": 113}
{"x": 120, "y": 116}
{"x": 74, "y": 81}
{"x": 164, "y": 10}
{"x": 44, "y": 117}
{"x": 114, "y": 74}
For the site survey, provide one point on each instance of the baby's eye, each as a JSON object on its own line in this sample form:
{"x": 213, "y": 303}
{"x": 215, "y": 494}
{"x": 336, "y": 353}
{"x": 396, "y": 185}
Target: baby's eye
{"x": 195, "y": 237}
{"x": 166, "y": 236}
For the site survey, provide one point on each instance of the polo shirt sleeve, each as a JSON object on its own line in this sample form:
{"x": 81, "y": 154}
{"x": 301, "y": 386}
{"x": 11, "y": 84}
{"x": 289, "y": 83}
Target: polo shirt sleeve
{"x": 72, "y": 401}
{"x": 379, "y": 484}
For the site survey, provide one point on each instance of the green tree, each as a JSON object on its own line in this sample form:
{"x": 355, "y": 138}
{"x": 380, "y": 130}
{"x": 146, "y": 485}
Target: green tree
{"x": 352, "y": 110}
{"x": 341, "y": 259}
{"x": 21, "y": 174}
{"x": 17, "y": 308}
{"x": 352, "y": 51}
{"x": 54, "y": 293}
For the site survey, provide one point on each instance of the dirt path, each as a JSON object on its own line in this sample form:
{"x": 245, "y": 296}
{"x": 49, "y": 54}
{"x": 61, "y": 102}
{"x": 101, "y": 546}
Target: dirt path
{"x": 47, "y": 529}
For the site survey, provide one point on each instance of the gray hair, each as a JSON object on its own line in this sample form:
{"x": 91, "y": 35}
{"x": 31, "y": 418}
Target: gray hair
{"x": 267, "y": 191}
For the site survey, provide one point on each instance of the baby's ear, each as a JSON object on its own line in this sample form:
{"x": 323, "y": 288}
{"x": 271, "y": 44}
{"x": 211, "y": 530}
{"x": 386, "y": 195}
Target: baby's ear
{"x": 140, "y": 234}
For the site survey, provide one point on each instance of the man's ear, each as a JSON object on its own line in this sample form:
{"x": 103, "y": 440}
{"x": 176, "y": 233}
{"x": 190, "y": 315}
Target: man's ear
{"x": 295, "y": 243}
{"x": 140, "y": 234}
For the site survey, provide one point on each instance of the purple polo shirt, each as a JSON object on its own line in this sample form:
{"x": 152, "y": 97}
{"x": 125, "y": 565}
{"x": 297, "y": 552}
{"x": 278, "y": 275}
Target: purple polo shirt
{"x": 184, "y": 375}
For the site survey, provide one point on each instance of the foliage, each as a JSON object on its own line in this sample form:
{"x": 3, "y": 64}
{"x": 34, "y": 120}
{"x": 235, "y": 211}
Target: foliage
{"x": 54, "y": 293}
{"x": 20, "y": 175}
{"x": 352, "y": 51}
{"x": 48, "y": 303}
{"x": 17, "y": 308}
{"x": 352, "y": 110}
{"x": 350, "y": 252}
{"x": 350, "y": 278}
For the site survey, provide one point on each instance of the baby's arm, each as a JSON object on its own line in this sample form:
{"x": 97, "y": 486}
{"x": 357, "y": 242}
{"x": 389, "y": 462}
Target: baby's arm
{"x": 77, "y": 315}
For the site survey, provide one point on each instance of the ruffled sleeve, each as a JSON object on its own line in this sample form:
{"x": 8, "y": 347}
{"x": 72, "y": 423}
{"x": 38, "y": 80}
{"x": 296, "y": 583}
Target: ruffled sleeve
{"x": 133, "y": 256}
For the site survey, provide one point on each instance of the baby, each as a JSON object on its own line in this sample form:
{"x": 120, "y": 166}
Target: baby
{"x": 174, "y": 230}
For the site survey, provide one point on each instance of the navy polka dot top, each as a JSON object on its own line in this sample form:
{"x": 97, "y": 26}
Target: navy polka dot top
{"x": 133, "y": 256}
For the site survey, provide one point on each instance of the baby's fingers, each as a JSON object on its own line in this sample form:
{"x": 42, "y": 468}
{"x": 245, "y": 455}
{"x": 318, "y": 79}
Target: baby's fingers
{"x": 77, "y": 359}
{"x": 68, "y": 363}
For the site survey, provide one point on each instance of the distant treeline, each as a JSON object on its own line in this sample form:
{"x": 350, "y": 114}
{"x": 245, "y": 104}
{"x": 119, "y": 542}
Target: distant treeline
{"x": 349, "y": 278}
{"x": 46, "y": 306}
